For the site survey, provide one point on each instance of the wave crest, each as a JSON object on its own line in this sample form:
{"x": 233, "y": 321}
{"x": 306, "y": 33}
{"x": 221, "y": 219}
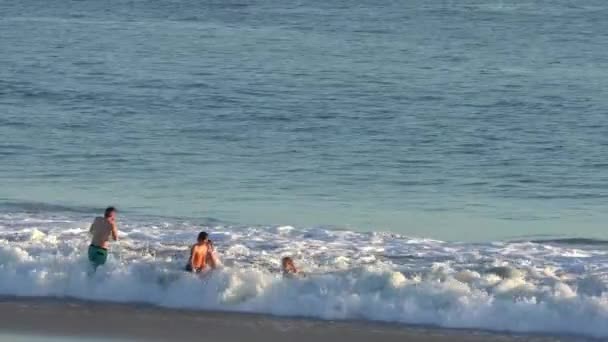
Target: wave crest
{"x": 519, "y": 287}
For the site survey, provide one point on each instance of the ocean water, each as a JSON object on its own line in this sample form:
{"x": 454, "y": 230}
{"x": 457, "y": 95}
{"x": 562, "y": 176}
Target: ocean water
{"x": 455, "y": 120}
{"x": 36, "y": 338}
{"x": 556, "y": 287}
{"x": 435, "y": 162}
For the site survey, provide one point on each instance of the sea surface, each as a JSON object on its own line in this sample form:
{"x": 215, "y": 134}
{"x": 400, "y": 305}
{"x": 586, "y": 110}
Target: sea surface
{"x": 5, "y": 337}
{"x": 435, "y": 162}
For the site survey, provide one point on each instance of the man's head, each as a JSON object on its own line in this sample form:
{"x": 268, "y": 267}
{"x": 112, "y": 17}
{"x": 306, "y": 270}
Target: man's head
{"x": 110, "y": 213}
{"x": 202, "y": 237}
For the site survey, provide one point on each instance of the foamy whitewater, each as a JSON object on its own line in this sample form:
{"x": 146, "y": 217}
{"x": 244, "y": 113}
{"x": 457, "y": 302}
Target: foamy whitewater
{"x": 551, "y": 286}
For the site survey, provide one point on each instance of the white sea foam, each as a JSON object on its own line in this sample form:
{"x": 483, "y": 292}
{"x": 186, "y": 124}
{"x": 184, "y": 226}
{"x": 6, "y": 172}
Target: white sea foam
{"x": 522, "y": 287}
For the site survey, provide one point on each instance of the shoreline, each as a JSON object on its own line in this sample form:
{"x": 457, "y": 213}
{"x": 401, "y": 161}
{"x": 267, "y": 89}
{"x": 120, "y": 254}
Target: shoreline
{"x": 70, "y": 317}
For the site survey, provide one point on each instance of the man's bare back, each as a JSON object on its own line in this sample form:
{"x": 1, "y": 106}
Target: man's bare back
{"x": 101, "y": 229}
{"x": 201, "y": 255}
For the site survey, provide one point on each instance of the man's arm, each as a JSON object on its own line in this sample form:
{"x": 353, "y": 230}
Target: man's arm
{"x": 114, "y": 231}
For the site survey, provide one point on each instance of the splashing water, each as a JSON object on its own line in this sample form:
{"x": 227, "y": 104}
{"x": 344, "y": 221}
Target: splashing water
{"x": 542, "y": 286}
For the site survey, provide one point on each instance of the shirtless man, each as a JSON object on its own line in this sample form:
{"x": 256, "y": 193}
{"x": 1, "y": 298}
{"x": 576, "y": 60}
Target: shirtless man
{"x": 101, "y": 229}
{"x": 201, "y": 254}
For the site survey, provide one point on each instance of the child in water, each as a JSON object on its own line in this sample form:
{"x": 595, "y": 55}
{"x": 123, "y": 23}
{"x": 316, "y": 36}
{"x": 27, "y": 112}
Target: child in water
{"x": 288, "y": 266}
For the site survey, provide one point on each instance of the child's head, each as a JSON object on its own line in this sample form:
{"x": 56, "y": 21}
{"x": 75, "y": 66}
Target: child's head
{"x": 286, "y": 261}
{"x": 288, "y": 265}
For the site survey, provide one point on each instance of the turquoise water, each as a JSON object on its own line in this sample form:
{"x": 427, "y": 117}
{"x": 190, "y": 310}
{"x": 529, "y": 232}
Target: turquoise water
{"x": 466, "y": 120}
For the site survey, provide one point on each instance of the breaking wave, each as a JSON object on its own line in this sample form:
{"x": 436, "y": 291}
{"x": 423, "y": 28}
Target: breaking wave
{"x": 543, "y": 286}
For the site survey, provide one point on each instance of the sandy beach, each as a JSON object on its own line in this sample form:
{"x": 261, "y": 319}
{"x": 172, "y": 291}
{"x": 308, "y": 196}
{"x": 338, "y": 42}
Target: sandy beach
{"x": 133, "y": 322}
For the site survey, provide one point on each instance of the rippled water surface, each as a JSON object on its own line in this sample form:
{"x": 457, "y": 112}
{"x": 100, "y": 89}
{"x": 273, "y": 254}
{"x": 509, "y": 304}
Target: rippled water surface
{"x": 468, "y": 120}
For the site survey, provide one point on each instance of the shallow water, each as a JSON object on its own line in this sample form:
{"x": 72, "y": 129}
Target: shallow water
{"x": 468, "y": 120}
{"x": 553, "y": 286}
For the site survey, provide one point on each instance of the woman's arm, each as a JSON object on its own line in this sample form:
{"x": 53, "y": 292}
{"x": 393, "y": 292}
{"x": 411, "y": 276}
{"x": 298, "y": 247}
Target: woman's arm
{"x": 212, "y": 257}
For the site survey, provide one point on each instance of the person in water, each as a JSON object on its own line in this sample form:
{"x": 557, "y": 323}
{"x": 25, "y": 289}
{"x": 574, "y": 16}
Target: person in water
{"x": 102, "y": 229}
{"x": 202, "y": 255}
{"x": 288, "y": 267}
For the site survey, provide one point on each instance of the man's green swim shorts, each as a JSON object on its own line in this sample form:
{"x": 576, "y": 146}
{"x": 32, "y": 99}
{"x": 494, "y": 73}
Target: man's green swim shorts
{"x": 97, "y": 255}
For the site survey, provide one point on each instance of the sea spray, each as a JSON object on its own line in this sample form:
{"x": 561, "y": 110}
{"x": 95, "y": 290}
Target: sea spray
{"x": 514, "y": 286}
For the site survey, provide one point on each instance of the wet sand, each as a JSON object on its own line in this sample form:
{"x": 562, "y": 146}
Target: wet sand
{"x": 134, "y": 322}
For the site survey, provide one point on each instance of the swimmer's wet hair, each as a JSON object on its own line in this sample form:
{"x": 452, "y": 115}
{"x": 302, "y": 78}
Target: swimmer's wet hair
{"x": 108, "y": 211}
{"x": 202, "y": 236}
